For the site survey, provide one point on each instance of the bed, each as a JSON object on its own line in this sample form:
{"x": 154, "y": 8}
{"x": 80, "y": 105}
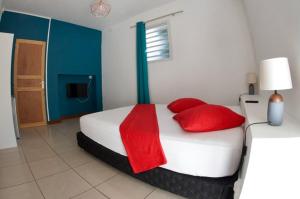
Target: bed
{"x": 199, "y": 165}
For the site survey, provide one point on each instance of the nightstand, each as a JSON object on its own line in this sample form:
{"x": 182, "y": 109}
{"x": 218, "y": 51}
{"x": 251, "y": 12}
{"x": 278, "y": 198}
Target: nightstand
{"x": 272, "y": 163}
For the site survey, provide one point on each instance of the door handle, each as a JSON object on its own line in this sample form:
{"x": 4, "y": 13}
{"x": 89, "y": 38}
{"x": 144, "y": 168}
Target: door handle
{"x": 43, "y": 84}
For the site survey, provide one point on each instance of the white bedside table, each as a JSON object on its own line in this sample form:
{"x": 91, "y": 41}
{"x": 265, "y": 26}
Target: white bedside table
{"x": 271, "y": 168}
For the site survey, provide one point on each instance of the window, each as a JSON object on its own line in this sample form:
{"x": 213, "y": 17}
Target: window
{"x": 157, "y": 39}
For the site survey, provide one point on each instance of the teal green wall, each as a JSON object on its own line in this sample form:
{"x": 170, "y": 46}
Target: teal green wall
{"x": 24, "y": 27}
{"x": 74, "y": 53}
{"x": 73, "y": 50}
{"x": 71, "y": 106}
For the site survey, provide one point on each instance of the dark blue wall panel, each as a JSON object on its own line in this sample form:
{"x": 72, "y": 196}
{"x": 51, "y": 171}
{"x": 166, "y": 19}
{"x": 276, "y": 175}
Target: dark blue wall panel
{"x": 74, "y": 51}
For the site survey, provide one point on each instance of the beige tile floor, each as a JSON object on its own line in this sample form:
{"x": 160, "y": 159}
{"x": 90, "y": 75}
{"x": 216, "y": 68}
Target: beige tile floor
{"x": 48, "y": 164}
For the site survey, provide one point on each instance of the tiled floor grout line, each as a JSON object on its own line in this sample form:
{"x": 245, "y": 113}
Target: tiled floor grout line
{"x": 15, "y": 164}
{"x": 69, "y": 168}
{"x": 106, "y": 180}
{"x": 106, "y": 196}
{"x": 150, "y": 193}
{"x": 82, "y": 193}
{"x": 59, "y": 172}
{"x": 35, "y": 180}
{"x": 58, "y": 155}
{"x": 7, "y": 187}
{"x": 12, "y": 165}
{"x": 103, "y": 183}
{"x": 26, "y": 162}
{"x": 40, "y": 159}
{"x": 93, "y": 187}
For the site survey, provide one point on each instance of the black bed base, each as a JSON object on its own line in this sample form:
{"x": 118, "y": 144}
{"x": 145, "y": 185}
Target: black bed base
{"x": 185, "y": 185}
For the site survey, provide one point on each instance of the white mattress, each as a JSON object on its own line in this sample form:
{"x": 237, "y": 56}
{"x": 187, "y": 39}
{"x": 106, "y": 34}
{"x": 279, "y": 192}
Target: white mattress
{"x": 214, "y": 154}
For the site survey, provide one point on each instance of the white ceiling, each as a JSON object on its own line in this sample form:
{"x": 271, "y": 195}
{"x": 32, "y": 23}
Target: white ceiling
{"x": 77, "y": 11}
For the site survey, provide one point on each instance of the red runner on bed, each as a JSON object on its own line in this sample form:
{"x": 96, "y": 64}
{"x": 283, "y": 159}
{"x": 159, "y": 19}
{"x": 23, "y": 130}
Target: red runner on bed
{"x": 140, "y": 136}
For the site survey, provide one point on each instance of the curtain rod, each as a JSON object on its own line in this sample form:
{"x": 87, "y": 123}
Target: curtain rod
{"x": 161, "y": 17}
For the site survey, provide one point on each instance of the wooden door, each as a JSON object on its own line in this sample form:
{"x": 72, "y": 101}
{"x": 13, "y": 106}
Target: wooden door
{"x": 29, "y": 67}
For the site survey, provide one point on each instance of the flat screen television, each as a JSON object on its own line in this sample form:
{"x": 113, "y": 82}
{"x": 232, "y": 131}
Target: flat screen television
{"x": 77, "y": 90}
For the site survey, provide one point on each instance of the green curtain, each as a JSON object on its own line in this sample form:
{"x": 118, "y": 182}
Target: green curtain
{"x": 142, "y": 64}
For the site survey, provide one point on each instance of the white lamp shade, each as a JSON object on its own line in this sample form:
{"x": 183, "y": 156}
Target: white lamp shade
{"x": 251, "y": 78}
{"x": 275, "y": 74}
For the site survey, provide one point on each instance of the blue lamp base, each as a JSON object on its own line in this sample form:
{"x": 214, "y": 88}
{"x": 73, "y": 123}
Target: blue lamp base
{"x": 275, "y": 110}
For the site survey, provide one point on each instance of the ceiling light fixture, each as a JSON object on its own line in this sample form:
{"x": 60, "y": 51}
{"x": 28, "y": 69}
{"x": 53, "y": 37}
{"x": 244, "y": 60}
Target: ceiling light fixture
{"x": 99, "y": 8}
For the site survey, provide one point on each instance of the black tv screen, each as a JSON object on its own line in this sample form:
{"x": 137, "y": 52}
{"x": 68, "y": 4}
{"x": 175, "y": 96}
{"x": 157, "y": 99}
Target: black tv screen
{"x": 75, "y": 90}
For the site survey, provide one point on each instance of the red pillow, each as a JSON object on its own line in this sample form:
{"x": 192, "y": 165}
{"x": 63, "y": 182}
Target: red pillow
{"x": 208, "y": 118}
{"x": 182, "y": 104}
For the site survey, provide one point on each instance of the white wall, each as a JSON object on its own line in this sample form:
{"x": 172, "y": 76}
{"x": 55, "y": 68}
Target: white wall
{"x": 211, "y": 55}
{"x": 7, "y": 131}
{"x": 275, "y": 26}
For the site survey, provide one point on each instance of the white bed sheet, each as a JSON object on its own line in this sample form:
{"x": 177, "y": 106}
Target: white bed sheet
{"x": 214, "y": 154}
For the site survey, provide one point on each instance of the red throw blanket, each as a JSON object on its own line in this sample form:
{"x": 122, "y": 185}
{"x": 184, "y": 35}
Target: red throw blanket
{"x": 140, "y": 136}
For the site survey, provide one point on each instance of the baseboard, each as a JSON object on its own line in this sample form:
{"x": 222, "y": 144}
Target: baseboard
{"x": 69, "y": 117}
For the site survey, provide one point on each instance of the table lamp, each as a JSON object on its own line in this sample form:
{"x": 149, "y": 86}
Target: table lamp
{"x": 251, "y": 79}
{"x": 275, "y": 75}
